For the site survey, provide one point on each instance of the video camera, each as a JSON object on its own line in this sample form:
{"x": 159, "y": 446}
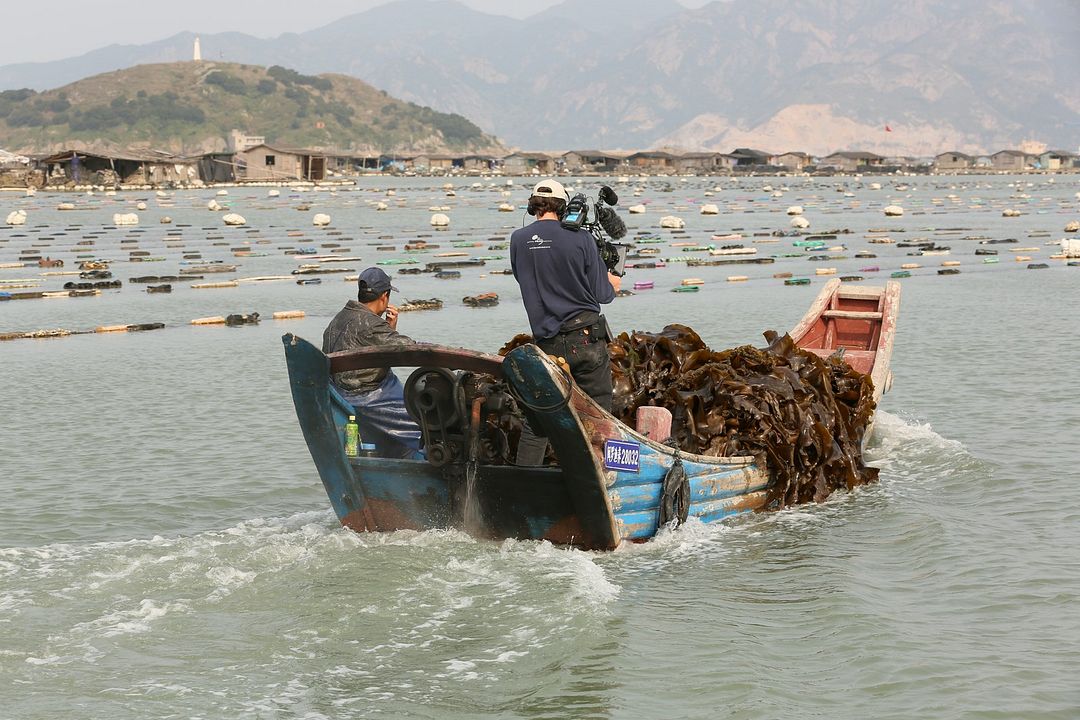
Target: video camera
{"x": 604, "y": 220}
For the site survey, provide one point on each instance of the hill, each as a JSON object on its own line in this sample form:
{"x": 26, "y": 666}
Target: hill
{"x": 814, "y": 75}
{"x": 189, "y": 107}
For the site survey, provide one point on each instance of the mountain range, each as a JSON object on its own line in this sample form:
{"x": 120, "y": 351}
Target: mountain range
{"x": 889, "y": 76}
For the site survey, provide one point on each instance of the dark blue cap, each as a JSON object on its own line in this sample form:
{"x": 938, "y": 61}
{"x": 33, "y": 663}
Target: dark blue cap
{"x": 373, "y": 282}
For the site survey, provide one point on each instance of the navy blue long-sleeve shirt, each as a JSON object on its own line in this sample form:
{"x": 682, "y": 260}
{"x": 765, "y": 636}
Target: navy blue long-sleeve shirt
{"x": 560, "y": 274}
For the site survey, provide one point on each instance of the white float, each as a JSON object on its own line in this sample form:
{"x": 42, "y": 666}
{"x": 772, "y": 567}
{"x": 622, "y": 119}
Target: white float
{"x": 636, "y": 209}
{"x": 800, "y": 222}
{"x": 893, "y": 211}
{"x": 234, "y": 219}
{"x": 710, "y": 209}
{"x": 440, "y": 220}
{"x": 672, "y": 222}
{"x": 795, "y": 210}
{"x": 213, "y": 206}
{"x": 320, "y": 220}
{"x": 125, "y": 219}
{"x": 273, "y": 193}
{"x": 16, "y": 217}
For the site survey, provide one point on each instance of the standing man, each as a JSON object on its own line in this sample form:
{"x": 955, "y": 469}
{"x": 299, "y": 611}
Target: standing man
{"x": 563, "y": 284}
{"x": 376, "y": 393}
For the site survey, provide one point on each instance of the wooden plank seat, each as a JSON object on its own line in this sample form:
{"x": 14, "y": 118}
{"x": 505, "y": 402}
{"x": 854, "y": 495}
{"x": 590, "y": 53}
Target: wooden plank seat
{"x": 852, "y": 315}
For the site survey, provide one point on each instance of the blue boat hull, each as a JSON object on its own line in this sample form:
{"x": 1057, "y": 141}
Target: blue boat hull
{"x": 580, "y": 502}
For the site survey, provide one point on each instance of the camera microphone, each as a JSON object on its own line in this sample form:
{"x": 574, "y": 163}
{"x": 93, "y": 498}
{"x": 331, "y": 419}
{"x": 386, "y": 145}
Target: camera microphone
{"x": 608, "y": 195}
{"x": 609, "y": 220}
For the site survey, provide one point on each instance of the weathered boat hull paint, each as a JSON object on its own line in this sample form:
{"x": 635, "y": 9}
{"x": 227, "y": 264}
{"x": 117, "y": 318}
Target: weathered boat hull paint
{"x": 580, "y": 502}
{"x": 377, "y": 494}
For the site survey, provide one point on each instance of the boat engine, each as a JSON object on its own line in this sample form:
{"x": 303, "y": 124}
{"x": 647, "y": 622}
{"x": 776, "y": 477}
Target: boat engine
{"x": 460, "y": 415}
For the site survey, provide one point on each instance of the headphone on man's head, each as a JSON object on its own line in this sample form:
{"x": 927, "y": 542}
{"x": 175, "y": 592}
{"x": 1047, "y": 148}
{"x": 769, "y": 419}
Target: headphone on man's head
{"x": 560, "y": 213}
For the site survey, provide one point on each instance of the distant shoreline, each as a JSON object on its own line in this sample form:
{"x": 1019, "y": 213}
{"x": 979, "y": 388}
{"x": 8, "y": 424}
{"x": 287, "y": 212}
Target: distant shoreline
{"x": 7, "y": 186}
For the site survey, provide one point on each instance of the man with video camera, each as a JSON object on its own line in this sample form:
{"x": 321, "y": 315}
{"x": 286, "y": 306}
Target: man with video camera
{"x": 563, "y": 284}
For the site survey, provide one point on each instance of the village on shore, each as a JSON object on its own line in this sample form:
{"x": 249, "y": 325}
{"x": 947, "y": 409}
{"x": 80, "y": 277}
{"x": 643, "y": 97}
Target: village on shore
{"x": 253, "y": 160}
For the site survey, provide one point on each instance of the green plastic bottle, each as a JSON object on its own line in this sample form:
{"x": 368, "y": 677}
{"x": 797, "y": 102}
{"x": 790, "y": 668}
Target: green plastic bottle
{"x": 352, "y": 437}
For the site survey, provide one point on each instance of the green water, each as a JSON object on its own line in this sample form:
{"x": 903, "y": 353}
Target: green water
{"x": 167, "y": 551}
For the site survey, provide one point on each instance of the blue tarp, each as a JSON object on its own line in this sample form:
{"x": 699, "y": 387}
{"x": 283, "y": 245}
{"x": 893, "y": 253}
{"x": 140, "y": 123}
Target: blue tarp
{"x": 383, "y": 420}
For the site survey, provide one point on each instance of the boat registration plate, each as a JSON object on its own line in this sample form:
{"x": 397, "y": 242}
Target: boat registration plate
{"x": 622, "y": 455}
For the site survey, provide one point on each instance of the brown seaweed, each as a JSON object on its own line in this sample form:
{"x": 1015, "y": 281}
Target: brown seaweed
{"x": 803, "y": 415}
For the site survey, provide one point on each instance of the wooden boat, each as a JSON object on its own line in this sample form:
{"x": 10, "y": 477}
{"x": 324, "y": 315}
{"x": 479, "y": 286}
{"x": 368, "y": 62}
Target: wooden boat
{"x": 609, "y": 485}
{"x": 859, "y": 319}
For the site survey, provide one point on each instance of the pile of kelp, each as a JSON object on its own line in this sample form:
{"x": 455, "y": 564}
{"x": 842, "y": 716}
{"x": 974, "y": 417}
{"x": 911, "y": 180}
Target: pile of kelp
{"x": 805, "y": 415}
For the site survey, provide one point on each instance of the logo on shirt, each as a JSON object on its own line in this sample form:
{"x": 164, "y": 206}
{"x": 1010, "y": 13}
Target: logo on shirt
{"x": 538, "y": 243}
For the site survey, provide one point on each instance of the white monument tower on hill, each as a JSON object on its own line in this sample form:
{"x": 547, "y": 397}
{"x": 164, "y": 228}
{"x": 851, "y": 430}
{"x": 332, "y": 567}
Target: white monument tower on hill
{"x": 196, "y": 55}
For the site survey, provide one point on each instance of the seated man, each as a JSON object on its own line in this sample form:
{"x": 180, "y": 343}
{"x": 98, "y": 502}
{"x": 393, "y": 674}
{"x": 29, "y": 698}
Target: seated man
{"x": 376, "y": 393}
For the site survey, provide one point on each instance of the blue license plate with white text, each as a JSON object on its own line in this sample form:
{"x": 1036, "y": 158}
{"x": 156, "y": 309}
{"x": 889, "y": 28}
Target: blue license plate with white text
{"x": 622, "y": 455}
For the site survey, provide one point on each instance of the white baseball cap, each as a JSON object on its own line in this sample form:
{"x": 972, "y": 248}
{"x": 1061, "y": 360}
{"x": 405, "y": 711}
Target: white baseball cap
{"x": 550, "y": 189}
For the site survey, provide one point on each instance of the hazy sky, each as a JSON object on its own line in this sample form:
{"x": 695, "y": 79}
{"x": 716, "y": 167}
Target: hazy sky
{"x": 39, "y": 31}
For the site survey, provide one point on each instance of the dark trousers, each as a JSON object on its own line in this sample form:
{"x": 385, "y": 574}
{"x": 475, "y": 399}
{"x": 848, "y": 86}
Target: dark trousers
{"x": 585, "y": 351}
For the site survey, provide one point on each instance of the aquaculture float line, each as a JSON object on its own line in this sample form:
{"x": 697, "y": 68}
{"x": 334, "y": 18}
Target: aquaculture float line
{"x": 233, "y": 320}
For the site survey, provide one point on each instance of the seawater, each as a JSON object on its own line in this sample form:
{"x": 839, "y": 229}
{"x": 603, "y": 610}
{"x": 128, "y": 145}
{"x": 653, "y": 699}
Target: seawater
{"x": 167, "y": 551}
